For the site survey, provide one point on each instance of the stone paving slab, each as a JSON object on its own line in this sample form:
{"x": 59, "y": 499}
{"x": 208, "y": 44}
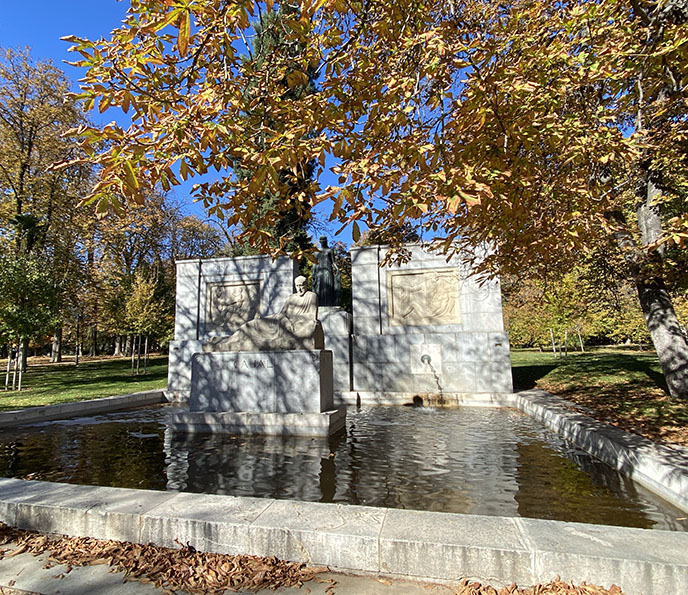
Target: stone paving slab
{"x": 399, "y": 543}
{"x": 337, "y": 535}
{"x": 26, "y": 574}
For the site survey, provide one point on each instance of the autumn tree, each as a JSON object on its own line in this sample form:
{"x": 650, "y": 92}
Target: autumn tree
{"x": 29, "y": 299}
{"x": 537, "y": 129}
{"x": 37, "y": 204}
{"x": 146, "y": 315}
{"x": 275, "y": 53}
{"x": 35, "y": 117}
{"x": 193, "y": 238}
{"x": 137, "y": 242}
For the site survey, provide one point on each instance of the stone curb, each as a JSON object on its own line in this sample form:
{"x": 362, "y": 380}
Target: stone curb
{"x": 660, "y": 468}
{"x": 32, "y": 415}
{"x": 399, "y": 543}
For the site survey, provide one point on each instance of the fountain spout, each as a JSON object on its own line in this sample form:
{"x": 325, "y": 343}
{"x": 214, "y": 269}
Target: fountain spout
{"x": 427, "y": 361}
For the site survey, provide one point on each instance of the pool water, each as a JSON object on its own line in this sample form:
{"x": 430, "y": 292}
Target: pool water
{"x": 469, "y": 460}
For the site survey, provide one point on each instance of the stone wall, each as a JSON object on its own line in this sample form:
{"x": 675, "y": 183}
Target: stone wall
{"x": 215, "y": 297}
{"x": 426, "y": 326}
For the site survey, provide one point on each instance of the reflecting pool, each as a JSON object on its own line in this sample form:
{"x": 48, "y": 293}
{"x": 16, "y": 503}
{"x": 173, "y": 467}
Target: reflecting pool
{"x": 468, "y": 460}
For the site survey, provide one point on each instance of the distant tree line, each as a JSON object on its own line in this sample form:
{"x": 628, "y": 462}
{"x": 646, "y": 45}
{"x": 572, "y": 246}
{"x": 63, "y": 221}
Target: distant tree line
{"x": 70, "y": 278}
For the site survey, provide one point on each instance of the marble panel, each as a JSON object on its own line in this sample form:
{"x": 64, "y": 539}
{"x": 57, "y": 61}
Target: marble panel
{"x": 423, "y": 297}
{"x": 179, "y": 367}
{"x": 459, "y": 377}
{"x": 473, "y": 347}
{"x": 333, "y": 534}
{"x": 364, "y": 307}
{"x": 228, "y": 305}
{"x": 335, "y": 322}
{"x": 271, "y": 381}
{"x": 186, "y": 310}
{"x": 499, "y": 346}
{"x": 493, "y": 378}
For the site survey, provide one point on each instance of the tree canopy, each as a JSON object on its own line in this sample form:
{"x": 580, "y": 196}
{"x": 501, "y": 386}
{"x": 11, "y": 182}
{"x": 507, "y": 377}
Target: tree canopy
{"x": 513, "y": 123}
{"x": 544, "y": 130}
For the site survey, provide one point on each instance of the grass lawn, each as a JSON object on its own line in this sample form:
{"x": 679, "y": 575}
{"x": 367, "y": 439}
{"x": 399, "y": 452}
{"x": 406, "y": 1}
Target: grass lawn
{"x": 624, "y": 387}
{"x": 46, "y": 384}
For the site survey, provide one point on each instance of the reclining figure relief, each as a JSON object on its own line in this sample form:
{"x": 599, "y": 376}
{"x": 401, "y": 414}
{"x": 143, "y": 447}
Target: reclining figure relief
{"x": 295, "y": 327}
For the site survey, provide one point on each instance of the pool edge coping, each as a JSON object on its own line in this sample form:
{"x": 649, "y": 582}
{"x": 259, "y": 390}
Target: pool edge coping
{"x": 660, "y": 468}
{"x": 41, "y": 413}
{"x": 393, "y": 542}
{"x": 403, "y": 543}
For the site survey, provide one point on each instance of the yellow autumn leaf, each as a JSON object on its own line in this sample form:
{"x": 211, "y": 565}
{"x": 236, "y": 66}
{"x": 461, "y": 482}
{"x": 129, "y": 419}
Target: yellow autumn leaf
{"x": 184, "y": 32}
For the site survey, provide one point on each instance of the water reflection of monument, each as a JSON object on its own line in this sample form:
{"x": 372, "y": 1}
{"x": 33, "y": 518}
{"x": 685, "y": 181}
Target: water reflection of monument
{"x": 443, "y": 460}
{"x": 474, "y": 461}
{"x": 266, "y": 466}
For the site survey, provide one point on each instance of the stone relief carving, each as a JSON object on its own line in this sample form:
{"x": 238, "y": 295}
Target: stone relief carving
{"x": 296, "y": 326}
{"x": 423, "y": 297}
{"x": 229, "y": 305}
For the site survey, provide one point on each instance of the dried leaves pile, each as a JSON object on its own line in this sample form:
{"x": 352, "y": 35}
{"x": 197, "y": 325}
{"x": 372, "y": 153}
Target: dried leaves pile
{"x": 190, "y": 571}
{"x": 171, "y": 570}
{"x": 556, "y": 587}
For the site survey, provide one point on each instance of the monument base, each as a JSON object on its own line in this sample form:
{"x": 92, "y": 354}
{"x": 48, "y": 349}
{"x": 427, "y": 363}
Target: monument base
{"x": 326, "y": 423}
{"x": 298, "y": 381}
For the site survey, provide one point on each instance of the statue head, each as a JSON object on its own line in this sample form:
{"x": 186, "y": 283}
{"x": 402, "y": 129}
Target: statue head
{"x": 323, "y": 241}
{"x": 300, "y": 284}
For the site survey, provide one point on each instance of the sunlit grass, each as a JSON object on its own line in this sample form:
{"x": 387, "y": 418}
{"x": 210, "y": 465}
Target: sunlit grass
{"x": 625, "y": 387}
{"x": 48, "y": 384}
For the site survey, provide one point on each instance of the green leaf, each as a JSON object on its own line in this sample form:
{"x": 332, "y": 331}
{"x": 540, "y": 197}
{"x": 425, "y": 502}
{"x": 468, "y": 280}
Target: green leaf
{"x": 131, "y": 180}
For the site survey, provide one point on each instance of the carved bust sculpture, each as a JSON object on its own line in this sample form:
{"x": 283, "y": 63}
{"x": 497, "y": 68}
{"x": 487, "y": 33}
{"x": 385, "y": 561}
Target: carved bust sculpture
{"x": 295, "y": 327}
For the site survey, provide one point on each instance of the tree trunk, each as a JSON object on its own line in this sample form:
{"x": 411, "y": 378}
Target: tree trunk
{"x": 128, "y": 347}
{"x": 9, "y": 361}
{"x": 666, "y": 334}
{"x": 22, "y": 368}
{"x": 56, "y": 349}
{"x": 145, "y": 358}
{"x": 655, "y": 301}
{"x": 16, "y": 365}
{"x": 138, "y": 355}
{"x": 77, "y": 346}
{"x": 93, "y": 331}
{"x": 133, "y": 354}
{"x": 24, "y": 354}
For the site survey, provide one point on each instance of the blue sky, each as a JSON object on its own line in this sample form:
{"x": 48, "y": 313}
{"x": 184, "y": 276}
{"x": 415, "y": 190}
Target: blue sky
{"x": 39, "y": 24}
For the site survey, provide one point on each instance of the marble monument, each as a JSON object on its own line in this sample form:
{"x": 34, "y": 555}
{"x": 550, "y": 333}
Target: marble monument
{"x": 271, "y": 376}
